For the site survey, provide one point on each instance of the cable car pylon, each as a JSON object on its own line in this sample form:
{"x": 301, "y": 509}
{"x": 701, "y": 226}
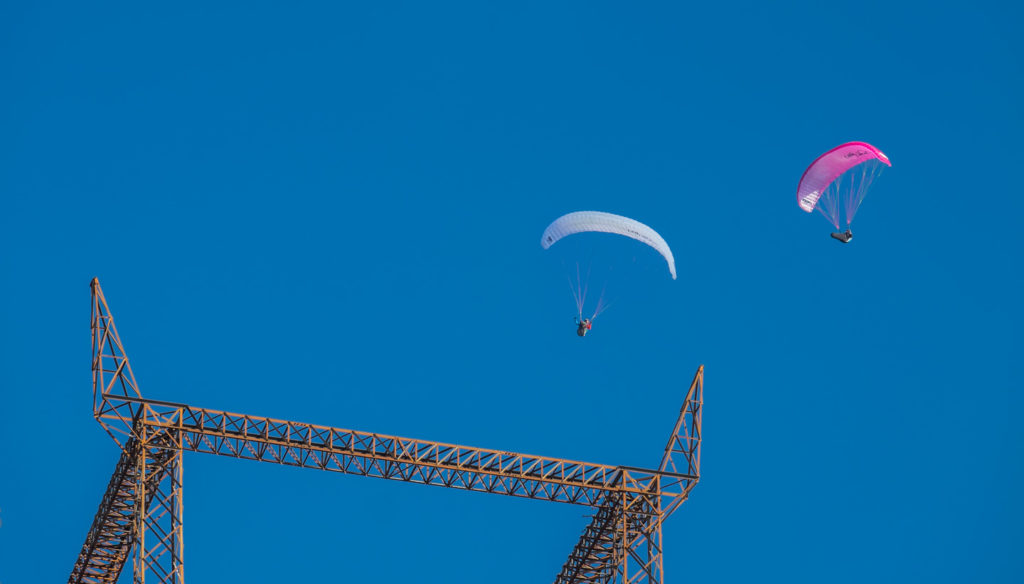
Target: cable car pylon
{"x": 140, "y": 515}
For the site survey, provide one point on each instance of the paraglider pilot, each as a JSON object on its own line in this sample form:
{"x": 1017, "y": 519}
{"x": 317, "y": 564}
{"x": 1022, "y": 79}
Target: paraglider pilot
{"x": 844, "y": 237}
{"x": 582, "y": 326}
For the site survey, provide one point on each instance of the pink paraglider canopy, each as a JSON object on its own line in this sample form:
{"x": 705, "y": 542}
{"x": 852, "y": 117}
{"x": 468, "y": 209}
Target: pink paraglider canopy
{"x": 828, "y": 167}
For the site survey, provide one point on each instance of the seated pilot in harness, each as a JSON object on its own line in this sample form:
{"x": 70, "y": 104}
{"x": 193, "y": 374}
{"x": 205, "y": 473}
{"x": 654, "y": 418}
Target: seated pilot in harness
{"x": 844, "y": 237}
{"x": 582, "y": 326}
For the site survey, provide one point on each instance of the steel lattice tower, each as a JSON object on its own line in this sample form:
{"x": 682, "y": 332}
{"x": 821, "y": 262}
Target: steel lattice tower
{"x": 141, "y": 511}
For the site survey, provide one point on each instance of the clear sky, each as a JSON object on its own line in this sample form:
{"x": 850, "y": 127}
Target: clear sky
{"x": 330, "y": 212}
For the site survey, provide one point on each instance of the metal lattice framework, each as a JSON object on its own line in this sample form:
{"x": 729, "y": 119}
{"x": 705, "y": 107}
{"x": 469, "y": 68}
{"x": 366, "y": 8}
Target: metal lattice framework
{"x": 141, "y": 511}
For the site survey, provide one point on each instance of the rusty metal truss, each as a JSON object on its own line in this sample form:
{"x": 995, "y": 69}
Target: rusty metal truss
{"x": 141, "y": 514}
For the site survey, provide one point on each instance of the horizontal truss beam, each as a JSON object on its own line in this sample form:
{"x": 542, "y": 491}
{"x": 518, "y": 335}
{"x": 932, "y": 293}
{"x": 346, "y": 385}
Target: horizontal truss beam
{"x": 393, "y": 457}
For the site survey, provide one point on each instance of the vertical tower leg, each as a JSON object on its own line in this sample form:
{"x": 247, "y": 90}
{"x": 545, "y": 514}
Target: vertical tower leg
{"x": 158, "y": 513}
{"x": 640, "y": 552}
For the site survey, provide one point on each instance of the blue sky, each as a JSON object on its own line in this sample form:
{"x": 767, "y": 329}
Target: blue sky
{"x": 332, "y": 214}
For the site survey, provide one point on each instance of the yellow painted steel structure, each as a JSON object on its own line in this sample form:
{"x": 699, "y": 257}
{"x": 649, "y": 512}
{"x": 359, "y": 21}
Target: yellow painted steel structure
{"x": 140, "y": 515}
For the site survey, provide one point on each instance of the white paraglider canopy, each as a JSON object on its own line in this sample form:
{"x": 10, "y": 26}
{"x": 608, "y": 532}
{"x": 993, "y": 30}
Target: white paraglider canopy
{"x": 584, "y": 221}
